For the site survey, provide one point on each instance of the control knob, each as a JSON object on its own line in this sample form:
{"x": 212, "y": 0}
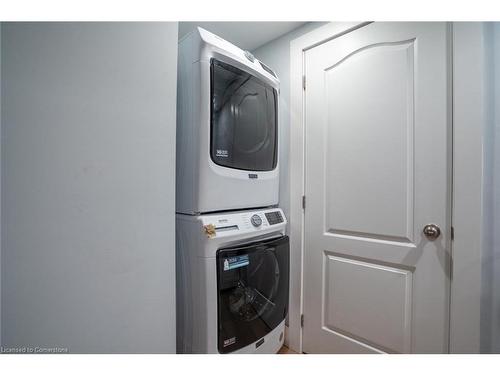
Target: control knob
{"x": 256, "y": 220}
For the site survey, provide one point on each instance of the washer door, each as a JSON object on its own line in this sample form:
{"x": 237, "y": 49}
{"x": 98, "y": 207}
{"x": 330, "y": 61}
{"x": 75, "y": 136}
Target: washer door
{"x": 252, "y": 287}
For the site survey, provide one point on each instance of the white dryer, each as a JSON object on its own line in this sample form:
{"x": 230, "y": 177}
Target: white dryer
{"x": 232, "y": 282}
{"x": 227, "y": 127}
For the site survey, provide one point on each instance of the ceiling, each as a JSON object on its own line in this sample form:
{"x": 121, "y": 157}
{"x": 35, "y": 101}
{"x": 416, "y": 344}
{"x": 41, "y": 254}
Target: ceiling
{"x": 246, "y": 35}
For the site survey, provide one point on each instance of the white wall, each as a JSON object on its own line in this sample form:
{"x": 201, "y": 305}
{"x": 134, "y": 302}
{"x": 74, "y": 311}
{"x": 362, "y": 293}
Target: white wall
{"x": 493, "y": 259}
{"x": 0, "y": 185}
{"x": 276, "y": 54}
{"x": 490, "y": 286}
{"x": 88, "y": 172}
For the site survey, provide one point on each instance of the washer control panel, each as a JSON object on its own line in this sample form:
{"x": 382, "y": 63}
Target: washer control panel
{"x": 230, "y": 224}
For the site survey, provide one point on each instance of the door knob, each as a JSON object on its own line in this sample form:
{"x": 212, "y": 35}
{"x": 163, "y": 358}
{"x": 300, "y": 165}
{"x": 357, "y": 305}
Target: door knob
{"x": 432, "y": 231}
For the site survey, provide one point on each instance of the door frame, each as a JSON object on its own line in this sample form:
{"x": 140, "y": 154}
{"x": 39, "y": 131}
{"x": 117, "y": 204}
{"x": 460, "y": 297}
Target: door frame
{"x": 469, "y": 108}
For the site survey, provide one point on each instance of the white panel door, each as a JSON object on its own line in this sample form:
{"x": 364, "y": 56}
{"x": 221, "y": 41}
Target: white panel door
{"x": 377, "y": 172}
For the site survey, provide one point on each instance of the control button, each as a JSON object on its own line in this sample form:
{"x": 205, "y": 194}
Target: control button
{"x": 249, "y": 56}
{"x": 274, "y": 217}
{"x": 256, "y": 220}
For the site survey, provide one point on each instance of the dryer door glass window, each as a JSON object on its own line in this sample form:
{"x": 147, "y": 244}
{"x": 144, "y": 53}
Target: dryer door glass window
{"x": 243, "y": 120}
{"x": 252, "y": 287}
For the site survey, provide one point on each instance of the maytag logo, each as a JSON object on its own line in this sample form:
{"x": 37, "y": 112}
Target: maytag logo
{"x": 221, "y": 153}
{"x": 253, "y": 175}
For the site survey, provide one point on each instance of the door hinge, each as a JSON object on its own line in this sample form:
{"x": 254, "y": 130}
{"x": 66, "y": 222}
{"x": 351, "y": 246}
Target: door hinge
{"x": 302, "y": 321}
{"x": 303, "y": 202}
{"x": 304, "y": 82}
{"x": 452, "y": 233}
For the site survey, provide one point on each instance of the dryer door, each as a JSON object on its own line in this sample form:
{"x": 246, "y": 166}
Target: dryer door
{"x": 252, "y": 287}
{"x": 244, "y": 131}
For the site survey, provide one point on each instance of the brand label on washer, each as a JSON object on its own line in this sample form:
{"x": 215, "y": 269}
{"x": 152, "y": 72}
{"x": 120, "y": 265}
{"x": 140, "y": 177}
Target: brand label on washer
{"x": 221, "y": 153}
{"x": 229, "y": 341}
{"x": 236, "y": 262}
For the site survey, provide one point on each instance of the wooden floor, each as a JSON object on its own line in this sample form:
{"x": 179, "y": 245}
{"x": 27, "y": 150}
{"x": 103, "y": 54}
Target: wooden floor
{"x": 285, "y": 350}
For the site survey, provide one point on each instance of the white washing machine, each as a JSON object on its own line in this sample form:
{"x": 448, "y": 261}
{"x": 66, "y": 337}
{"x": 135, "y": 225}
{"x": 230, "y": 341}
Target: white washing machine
{"x": 227, "y": 127}
{"x": 232, "y": 282}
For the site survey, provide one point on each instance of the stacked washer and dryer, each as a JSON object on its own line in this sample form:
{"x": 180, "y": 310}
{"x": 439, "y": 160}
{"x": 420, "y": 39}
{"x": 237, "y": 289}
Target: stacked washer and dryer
{"x": 232, "y": 252}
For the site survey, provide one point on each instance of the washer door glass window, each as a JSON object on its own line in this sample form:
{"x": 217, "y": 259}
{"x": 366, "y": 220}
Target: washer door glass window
{"x": 252, "y": 292}
{"x": 243, "y": 119}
